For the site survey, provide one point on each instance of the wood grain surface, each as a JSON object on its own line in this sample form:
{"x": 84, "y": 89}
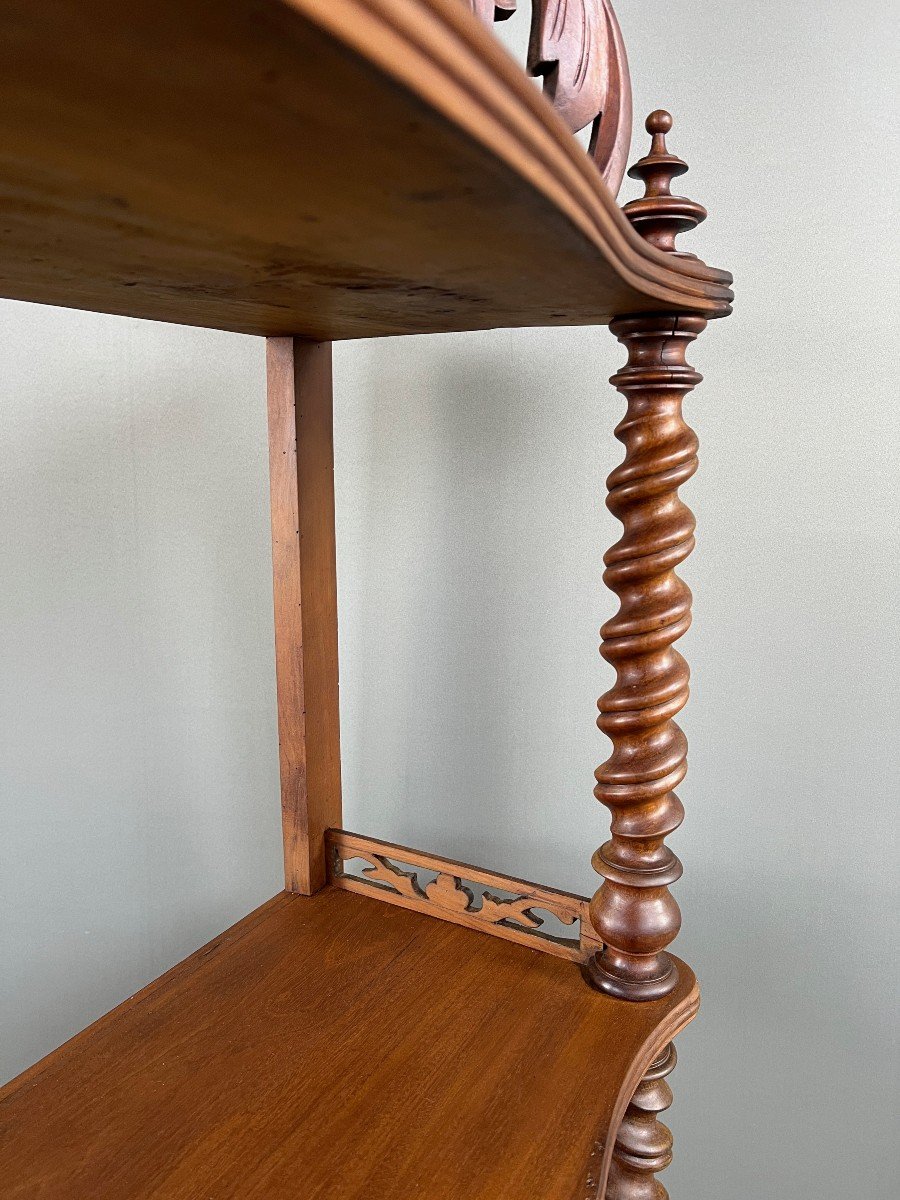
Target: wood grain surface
{"x": 336, "y": 1048}
{"x": 301, "y": 479}
{"x": 330, "y": 168}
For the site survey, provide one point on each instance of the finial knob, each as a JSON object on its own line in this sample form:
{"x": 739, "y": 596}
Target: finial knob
{"x": 659, "y": 216}
{"x": 659, "y": 121}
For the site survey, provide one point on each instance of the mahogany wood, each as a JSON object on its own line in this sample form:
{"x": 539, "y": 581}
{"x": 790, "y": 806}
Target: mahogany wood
{"x": 643, "y": 1144}
{"x": 659, "y": 216}
{"x": 633, "y": 913}
{"x": 576, "y": 46}
{"x": 331, "y": 168}
{"x": 301, "y": 474}
{"x": 336, "y": 1048}
{"x": 344, "y": 168}
{"x": 517, "y": 918}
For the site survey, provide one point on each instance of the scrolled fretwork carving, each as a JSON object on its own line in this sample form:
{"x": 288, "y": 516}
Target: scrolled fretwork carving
{"x": 516, "y": 917}
{"x": 493, "y": 10}
{"x": 450, "y": 893}
{"x": 383, "y": 872}
{"x": 493, "y": 908}
{"x": 633, "y": 912}
{"x": 644, "y": 1145}
{"x": 576, "y": 47}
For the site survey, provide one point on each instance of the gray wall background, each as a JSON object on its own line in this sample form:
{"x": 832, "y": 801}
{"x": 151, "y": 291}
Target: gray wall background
{"x": 138, "y": 757}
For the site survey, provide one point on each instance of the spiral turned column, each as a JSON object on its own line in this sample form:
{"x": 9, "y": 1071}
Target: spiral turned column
{"x": 644, "y": 1145}
{"x": 633, "y": 913}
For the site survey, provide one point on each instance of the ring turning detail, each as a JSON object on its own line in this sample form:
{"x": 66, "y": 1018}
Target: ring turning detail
{"x": 644, "y": 1144}
{"x": 633, "y": 912}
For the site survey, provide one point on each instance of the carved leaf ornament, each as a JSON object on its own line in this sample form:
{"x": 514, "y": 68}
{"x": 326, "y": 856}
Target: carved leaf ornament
{"x": 576, "y": 47}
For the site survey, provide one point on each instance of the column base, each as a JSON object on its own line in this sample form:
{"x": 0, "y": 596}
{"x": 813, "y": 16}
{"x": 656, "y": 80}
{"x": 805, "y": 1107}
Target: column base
{"x": 632, "y": 989}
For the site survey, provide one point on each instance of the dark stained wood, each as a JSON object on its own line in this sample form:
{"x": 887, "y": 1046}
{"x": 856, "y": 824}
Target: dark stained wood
{"x": 517, "y": 918}
{"x": 330, "y": 168}
{"x": 633, "y": 913}
{"x": 337, "y": 1048}
{"x": 643, "y": 1144}
{"x": 301, "y": 474}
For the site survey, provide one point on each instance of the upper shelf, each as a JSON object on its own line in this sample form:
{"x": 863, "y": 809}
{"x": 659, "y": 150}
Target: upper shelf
{"x": 330, "y": 168}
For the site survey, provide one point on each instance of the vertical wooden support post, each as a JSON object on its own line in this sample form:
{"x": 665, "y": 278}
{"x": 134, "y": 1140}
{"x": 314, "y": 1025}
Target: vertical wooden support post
{"x": 644, "y": 1145}
{"x": 301, "y": 475}
{"x": 633, "y": 913}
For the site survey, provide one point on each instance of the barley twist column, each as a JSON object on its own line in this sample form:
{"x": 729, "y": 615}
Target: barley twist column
{"x": 644, "y": 1145}
{"x": 633, "y": 912}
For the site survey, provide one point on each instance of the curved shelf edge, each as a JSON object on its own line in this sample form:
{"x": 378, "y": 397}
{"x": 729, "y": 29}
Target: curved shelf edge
{"x": 354, "y": 1044}
{"x": 682, "y": 1006}
{"x": 321, "y": 168}
{"x": 439, "y": 51}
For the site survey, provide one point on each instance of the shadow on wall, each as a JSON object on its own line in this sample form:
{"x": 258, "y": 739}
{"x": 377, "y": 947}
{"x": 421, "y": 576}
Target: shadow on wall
{"x": 797, "y": 1021}
{"x": 469, "y": 563}
{"x": 138, "y": 754}
{"x": 470, "y": 538}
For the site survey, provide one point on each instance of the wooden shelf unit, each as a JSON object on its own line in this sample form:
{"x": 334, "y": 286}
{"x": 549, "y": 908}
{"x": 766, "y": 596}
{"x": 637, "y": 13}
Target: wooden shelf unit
{"x": 310, "y": 170}
{"x": 325, "y": 168}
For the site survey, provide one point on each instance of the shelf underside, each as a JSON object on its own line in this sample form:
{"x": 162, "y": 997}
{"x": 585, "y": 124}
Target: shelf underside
{"x": 327, "y": 168}
{"x": 337, "y": 1048}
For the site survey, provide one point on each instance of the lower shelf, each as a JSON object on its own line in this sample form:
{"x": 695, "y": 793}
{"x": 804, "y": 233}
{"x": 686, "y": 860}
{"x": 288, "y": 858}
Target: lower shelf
{"x": 334, "y": 1048}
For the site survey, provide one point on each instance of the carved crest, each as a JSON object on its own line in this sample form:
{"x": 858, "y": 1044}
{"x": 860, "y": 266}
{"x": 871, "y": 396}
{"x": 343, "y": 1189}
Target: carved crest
{"x": 576, "y": 46}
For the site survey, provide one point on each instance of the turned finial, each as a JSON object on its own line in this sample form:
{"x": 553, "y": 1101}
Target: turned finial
{"x": 659, "y": 216}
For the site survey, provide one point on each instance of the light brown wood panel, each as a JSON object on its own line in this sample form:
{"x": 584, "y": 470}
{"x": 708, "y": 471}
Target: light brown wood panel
{"x": 336, "y": 1048}
{"x": 331, "y": 168}
{"x": 301, "y": 476}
